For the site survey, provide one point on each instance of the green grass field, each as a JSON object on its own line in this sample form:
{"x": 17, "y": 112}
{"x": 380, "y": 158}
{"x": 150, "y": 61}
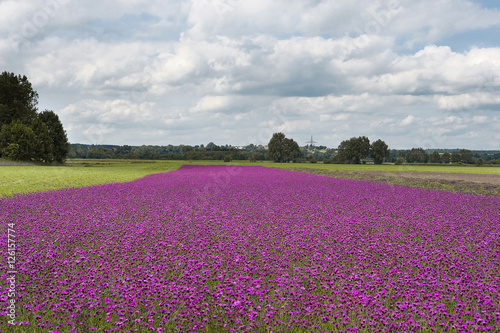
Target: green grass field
{"x": 78, "y": 173}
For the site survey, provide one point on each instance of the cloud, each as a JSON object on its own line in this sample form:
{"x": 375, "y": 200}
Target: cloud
{"x": 233, "y": 71}
{"x": 407, "y": 121}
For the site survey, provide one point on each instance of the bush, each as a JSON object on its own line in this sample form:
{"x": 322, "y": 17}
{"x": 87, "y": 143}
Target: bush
{"x": 227, "y": 158}
{"x": 399, "y": 161}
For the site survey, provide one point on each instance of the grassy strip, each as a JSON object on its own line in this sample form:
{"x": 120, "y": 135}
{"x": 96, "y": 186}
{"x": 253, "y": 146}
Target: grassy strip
{"x": 434, "y": 184}
{"x": 36, "y": 178}
{"x": 22, "y": 178}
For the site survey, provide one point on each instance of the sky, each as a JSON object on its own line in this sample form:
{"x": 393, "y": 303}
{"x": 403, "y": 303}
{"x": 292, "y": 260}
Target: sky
{"x": 413, "y": 73}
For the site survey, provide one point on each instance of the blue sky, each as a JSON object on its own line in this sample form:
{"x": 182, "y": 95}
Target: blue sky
{"x": 412, "y": 73}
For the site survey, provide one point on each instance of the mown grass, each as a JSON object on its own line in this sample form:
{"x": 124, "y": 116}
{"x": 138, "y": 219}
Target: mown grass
{"x": 458, "y": 186}
{"x": 27, "y": 178}
{"x": 392, "y": 167}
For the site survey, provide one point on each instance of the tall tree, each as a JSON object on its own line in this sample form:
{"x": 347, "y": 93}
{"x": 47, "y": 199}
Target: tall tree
{"x": 434, "y": 157}
{"x": 42, "y": 147}
{"x": 18, "y": 100}
{"x": 354, "y": 150}
{"x": 57, "y": 134}
{"x": 379, "y": 151}
{"x": 282, "y": 149}
{"x": 466, "y": 156}
{"x": 277, "y": 147}
{"x": 446, "y": 157}
{"x": 455, "y": 157}
{"x": 291, "y": 149}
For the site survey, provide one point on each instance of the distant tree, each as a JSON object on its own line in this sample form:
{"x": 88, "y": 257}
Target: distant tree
{"x": 445, "y": 158}
{"x": 479, "y": 162}
{"x": 123, "y": 150}
{"x": 379, "y": 151}
{"x": 17, "y": 141}
{"x": 417, "y": 155}
{"x": 466, "y": 156}
{"x": 282, "y": 149}
{"x": 399, "y": 161}
{"x": 353, "y": 151}
{"x": 211, "y": 146}
{"x": 227, "y": 158}
{"x": 277, "y": 148}
{"x": 18, "y": 100}
{"x": 455, "y": 157}
{"x": 434, "y": 157}
{"x": 60, "y": 144}
{"x": 292, "y": 150}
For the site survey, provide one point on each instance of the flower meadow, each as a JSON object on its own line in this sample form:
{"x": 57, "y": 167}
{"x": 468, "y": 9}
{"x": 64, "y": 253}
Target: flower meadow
{"x": 253, "y": 249}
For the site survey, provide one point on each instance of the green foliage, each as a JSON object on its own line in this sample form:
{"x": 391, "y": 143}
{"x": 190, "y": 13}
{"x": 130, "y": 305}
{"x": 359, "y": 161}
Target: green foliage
{"x": 479, "y": 162}
{"x": 455, "y": 158}
{"x": 353, "y": 151}
{"x": 17, "y": 141}
{"x": 417, "y": 155}
{"x": 466, "y": 156}
{"x": 282, "y": 149}
{"x": 400, "y": 161}
{"x": 43, "y": 146}
{"x": 18, "y": 100}
{"x": 446, "y": 157}
{"x": 12, "y": 151}
{"x": 227, "y": 158}
{"x": 60, "y": 144}
{"x": 45, "y": 142}
{"x": 379, "y": 151}
{"x": 434, "y": 157}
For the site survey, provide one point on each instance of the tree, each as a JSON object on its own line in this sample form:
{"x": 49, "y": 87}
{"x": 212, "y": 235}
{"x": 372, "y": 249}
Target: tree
{"x": 417, "y": 155}
{"x": 277, "y": 147}
{"x": 282, "y": 149}
{"x": 43, "y": 147}
{"x": 446, "y": 157}
{"x": 455, "y": 158}
{"x": 466, "y": 156}
{"x": 434, "y": 157}
{"x": 16, "y": 141}
{"x": 353, "y": 151}
{"x": 60, "y": 145}
{"x": 379, "y": 151}
{"x": 18, "y": 100}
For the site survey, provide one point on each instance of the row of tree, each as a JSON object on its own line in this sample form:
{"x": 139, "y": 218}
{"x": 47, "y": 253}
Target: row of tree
{"x": 352, "y": 151}
{"x": 26, "y": 134}
{"x": 357, "y": 150}
{"x": 419, "y": 155}
{"x": 170, "y": 152}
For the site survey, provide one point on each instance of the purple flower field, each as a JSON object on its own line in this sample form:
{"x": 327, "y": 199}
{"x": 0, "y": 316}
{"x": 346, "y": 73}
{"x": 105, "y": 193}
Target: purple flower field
{"x": 253, "y": 249}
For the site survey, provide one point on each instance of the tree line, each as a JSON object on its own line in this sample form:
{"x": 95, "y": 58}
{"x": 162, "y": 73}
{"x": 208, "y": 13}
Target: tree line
{"x": 282, "y": 149}
{"x": 25, "y": 133}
